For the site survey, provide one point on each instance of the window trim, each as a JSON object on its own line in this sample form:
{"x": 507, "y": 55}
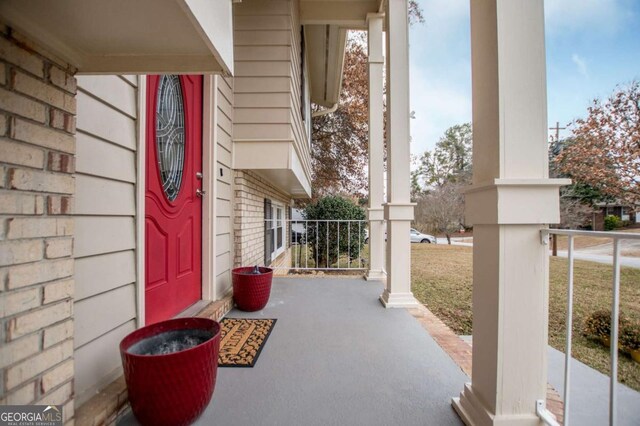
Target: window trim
{"x": 277, "y": 251}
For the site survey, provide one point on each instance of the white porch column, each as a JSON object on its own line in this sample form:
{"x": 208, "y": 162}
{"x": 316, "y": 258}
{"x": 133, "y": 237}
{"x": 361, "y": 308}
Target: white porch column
{"x": 376, "y": 149}
{"x": 398, "y": 211}
{"x": 510, "y": 201}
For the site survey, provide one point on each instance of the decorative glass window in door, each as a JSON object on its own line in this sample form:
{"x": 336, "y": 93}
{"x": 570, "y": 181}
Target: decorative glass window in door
{"x": 170, "y": 136}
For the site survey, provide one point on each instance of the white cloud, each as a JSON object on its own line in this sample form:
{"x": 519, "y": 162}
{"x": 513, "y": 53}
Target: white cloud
{"x": 602, "y": 16}
{"x": 581, "y": 64}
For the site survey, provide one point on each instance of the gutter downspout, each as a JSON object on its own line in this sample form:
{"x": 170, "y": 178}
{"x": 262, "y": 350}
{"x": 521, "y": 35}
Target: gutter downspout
{"x": 325, "y": 111}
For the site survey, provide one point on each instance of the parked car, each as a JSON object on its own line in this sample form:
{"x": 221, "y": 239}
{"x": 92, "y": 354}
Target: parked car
{"x": 416, "y": 237}
{"x": 419, "y": 237}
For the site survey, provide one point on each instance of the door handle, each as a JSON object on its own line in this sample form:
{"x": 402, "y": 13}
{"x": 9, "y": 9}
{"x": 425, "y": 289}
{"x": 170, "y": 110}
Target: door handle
{"x": 199, "y": 175}
{"x": 200, "y": 193}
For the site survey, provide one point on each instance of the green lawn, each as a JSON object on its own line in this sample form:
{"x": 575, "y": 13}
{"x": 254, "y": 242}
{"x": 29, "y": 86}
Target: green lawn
{"x": 441, "y": 279}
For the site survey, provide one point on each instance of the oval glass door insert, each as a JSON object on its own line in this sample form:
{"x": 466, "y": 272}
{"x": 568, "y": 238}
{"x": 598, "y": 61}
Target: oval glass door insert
{"x": 170, "y": 136}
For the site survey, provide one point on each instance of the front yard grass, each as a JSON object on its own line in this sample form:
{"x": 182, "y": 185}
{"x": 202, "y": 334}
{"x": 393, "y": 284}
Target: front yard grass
{"x": 442, "y": 280}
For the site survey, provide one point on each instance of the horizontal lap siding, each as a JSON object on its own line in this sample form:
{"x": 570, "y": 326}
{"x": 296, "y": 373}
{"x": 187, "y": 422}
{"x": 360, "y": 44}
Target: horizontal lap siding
{"x": 266, "y": 59}
{"x": 224, "y": 120}
{"x": 266, "y": 107}
{"x": 105, "y": 304}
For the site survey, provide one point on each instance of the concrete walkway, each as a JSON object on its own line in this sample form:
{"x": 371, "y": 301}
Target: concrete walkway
{"x": 590, "y": 393}
{"x": 337, "y": 357}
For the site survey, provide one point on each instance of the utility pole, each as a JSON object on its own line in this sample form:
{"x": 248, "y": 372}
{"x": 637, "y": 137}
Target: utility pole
{"x": 557, "y": 129}
{"x": 554, "y": 238}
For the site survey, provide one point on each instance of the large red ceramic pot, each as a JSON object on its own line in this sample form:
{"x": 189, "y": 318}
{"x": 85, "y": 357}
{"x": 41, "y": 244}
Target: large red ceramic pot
{"x": 170, "y": 368}
{"x": 251, "y": 287}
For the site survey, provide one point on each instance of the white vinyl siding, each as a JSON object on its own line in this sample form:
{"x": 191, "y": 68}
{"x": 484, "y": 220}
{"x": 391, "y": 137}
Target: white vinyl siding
{"x": 267, "y": 83}
{"x": 105, "y": 206}
{"x": 224, "y": 176}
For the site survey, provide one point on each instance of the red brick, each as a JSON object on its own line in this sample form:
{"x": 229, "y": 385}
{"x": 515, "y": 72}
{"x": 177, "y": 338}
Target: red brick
{"x": 59, "y": 205}
{"x": 64, "y": 163}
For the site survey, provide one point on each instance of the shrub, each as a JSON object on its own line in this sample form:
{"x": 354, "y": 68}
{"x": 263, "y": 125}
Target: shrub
{"x": 351, "y": 236}
{"x": 630, "y": 337}
{"x": 612, "y": 222}
{"x": 598, "y": 325}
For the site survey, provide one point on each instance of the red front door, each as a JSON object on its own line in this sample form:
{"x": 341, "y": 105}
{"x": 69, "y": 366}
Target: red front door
{"x": 173, "y": 203}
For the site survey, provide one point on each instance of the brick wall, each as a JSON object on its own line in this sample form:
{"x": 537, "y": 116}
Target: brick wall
{"x": 37, "y": 145}
{"x": 250, "y": 190}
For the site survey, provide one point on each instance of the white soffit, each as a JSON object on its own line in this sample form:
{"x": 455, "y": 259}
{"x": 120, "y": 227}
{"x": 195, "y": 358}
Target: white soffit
{"x": 325, "y": 55}
{"x": 349, "y": 14}
{"x": 326, "y": 23}
{"x": 130, "y": 36}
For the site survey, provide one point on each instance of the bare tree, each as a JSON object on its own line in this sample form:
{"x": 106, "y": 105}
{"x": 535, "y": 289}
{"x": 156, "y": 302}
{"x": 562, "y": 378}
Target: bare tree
{"x": 442, "y": 208}
{"x": 574, "y": 214}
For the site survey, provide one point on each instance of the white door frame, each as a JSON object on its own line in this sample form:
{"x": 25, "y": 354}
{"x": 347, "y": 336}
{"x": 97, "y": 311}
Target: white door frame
{"x": 209, "y": 161}
{"x": 140, "y": 193}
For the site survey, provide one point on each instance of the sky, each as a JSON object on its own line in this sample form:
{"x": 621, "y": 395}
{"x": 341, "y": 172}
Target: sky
{"x": 592, "y": 46}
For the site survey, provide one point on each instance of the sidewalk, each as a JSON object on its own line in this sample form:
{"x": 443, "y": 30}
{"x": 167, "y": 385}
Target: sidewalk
{"x": 584, "y": 254}
{"x": 632, "y": 262}
{"x": 589, "y": 403}
{"x": 589, "y": 398}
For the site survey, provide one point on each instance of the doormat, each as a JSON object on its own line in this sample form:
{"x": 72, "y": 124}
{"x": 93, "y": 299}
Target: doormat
{"x": 242, "y": 341}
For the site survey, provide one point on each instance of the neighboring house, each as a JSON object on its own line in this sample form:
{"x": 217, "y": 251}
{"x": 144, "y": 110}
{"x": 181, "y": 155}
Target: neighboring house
{"x": 624, "y": 212}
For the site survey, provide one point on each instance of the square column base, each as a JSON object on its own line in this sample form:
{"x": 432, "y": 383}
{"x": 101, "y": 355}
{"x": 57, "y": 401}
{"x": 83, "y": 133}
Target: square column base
{"x": 375, "y": 275}
{"x": 474, "y": 413}
{"x": 398, "y": 300}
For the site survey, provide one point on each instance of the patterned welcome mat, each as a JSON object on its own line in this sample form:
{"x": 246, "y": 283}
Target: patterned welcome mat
{"x": 242, "y": 341}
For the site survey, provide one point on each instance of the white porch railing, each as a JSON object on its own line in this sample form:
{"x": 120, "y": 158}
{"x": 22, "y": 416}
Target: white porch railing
{"x": 616, "y": 238}
{"x": 323, "y": 245}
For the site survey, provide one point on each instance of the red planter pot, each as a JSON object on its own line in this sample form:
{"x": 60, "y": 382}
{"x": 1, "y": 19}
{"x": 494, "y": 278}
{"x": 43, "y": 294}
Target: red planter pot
{"x": 251, "y": 291}
{"x": 173, "y": 388}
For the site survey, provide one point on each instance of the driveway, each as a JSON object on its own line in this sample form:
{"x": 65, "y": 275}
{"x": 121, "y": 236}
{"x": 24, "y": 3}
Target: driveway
{"x": 602, "y": 253}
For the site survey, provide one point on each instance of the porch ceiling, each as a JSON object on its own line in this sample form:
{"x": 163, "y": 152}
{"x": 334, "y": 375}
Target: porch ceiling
{"x": 351, "y": 14}
{"x": 124, "y": 36}
{"x": 325, "y": 47}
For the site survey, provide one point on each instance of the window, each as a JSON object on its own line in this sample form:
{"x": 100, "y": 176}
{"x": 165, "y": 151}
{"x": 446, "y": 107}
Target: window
{"x": 275, "y": 229}
{"x": 278, "y": 227}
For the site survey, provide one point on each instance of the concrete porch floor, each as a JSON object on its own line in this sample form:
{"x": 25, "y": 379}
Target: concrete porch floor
{"x": 337, "y": 357}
